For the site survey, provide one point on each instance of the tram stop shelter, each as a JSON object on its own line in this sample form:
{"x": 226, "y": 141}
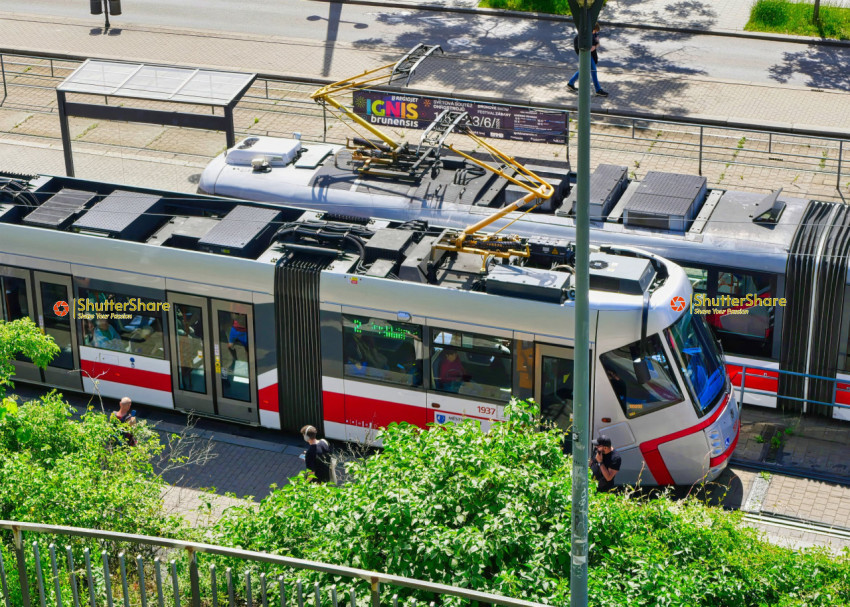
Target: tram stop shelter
{"x": 161, "y": 83}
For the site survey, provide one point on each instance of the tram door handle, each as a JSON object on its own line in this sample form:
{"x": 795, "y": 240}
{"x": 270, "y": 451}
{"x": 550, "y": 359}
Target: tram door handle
{"x": 435, "y": 405}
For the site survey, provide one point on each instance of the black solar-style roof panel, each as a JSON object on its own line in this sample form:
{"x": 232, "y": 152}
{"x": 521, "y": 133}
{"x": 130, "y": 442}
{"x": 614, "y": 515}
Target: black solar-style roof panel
{"x": 666, "y": 201}
{"x": 122, "y": 214}
{"x": 58, "y": 210}
{"x": 239, "y": 231}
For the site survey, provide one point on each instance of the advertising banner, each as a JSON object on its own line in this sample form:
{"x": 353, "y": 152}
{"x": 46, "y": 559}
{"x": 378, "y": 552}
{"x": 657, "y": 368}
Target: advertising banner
{"x": 488, "y": 120}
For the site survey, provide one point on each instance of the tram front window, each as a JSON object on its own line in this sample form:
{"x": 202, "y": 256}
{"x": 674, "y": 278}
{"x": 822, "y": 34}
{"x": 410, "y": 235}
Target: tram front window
{"x": 699, "y": 359}
{"x": 641, "y": 378}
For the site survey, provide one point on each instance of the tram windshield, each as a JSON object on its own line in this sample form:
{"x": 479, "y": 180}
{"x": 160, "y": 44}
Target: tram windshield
{"x": 699, "y": 359}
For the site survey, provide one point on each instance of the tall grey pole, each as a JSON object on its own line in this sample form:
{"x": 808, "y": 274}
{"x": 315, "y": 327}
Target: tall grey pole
{"x": 585, "y": 13}
{"x": 581, "y": 387}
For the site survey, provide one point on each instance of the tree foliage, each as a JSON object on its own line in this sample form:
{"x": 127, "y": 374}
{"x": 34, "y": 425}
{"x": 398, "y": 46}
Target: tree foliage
{"x": 492, "y": 512}
{"x": 22, "y": 337}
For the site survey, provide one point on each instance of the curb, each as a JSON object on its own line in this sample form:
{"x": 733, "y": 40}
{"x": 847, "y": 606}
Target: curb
{"x": 618, "y": 24}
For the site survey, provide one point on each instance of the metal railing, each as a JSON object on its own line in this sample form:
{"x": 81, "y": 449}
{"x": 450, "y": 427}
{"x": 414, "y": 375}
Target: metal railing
{"x": 766, "y": 373}
{"x": 60, "y": 580}
{"x": 729, "y": 145}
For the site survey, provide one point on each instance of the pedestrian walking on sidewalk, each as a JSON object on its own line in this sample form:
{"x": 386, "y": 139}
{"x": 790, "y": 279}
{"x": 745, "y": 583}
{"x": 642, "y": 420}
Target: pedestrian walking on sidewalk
{"x": 318, "y": 455}
{"x": 594, "y": 59}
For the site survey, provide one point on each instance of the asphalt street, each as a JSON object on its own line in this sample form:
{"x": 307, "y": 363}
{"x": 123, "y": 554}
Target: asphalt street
{"x": 520, "y": 39}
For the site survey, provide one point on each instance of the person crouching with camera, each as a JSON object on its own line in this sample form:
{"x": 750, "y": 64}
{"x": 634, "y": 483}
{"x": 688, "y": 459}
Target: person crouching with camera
{"x": 605, "y": 463}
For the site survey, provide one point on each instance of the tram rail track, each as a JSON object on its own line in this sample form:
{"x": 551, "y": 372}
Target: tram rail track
{"x": 792, "y": 471}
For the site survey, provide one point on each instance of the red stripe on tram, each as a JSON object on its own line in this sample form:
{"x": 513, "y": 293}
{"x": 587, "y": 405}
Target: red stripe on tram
{"x": 126, "y": 375}
{"x": 653, "y": 458}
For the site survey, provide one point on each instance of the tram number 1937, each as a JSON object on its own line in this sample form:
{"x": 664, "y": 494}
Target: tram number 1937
{"x": 486, "y": 410}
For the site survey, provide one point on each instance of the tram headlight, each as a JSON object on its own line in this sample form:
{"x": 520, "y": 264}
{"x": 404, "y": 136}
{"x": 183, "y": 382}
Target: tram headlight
{"x": 715, "y": 440}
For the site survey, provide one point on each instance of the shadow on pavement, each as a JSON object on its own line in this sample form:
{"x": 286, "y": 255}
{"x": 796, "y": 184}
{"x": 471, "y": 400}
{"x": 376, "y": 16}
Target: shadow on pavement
{"x": 824, "y": 67}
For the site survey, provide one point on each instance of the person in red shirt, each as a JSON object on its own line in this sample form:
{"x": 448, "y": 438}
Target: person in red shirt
{"x": 452, "y": 373}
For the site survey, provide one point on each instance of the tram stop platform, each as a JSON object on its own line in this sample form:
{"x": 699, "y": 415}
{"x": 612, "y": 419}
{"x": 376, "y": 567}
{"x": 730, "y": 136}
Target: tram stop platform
{"x": 790, "y": 474}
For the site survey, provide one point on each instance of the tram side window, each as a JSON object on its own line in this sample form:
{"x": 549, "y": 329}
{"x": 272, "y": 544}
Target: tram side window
{"x": 15, "y": 302}
{"x": 698, "y": 278}
{"x": 471, "y": 364}
{"x": 748, "y": 328}
{"x": 382, "y": 350}
{"x": 136, "y": 328}
{"x": 641, "y": 385}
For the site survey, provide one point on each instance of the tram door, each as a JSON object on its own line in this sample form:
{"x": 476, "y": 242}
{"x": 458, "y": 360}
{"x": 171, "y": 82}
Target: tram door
{"x": 53, "y": 294}
{"x": 214, "y": 367}
{"x": 553, "y": 384}
{"x": 191, "y": 375}
{"x": 15, "y": 303}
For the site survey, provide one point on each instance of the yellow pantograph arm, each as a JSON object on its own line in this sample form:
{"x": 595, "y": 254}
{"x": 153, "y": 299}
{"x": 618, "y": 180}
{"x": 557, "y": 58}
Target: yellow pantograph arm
{"x": 365, "y": 80}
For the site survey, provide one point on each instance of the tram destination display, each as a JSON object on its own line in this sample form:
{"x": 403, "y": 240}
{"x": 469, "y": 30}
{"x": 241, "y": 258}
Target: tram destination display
{"x": 488, "y": 120}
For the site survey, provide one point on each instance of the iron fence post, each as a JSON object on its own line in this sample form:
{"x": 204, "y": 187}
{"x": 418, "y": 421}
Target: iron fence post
{"x": 838, "y": 172}
{"x": 51, "y": 68}
{"x": 18, "y": 539}
{"x": 123, "y": 567}
{"x": 175, "y": 586}
{"x": 743, "y": 382}
{"x": 4, "y": 587}
{"x": 107, "y": 581}
{"x": 700, "y": 151}
{"x": 376, "y": 593}
{"x": 194, "y": 578}
{"x": 56, "y": 585}
{"x": 39, "y": 575}
{"x": 142, "y": 590}
{"x": 324, "y": 123}
{"x": 3, "y": 70}
{"x": 75, "y": 594}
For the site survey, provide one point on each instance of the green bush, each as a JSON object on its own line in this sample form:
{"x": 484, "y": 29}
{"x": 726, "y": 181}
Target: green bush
{"x": 772, "y": 13}
{"x": 555, "y": 7}
{"x": 796, "y": 18}
{"x": 492, "y": 512}
{"x": 54, "y": 470}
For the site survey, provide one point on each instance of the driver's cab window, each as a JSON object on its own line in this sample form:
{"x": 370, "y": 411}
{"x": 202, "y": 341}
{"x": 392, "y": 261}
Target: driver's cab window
{"x": 643, "y": 382}
{"x": 471, "y": 364}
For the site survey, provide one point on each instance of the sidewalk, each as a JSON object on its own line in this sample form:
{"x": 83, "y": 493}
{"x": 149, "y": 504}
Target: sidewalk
{"x": 658, "y": 95}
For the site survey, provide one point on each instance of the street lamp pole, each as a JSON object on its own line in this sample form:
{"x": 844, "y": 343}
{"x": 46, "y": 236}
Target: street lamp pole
{"x": 585, "y": 14}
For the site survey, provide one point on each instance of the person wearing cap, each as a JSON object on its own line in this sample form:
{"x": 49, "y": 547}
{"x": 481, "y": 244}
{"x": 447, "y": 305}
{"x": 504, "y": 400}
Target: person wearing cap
{"x": 605, "y": 463}
{"x": 317, "y": 455}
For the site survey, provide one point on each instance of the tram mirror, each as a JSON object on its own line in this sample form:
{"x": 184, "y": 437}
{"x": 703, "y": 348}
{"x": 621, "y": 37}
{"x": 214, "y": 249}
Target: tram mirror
{"x": 642, "y": 370}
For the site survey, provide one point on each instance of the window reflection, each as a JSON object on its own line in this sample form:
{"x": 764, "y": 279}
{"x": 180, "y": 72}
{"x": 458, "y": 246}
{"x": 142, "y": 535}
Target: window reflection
{"x": 382, "y": 350}
{"x": 471, "y": 364}
{"x": 235, "y": 352}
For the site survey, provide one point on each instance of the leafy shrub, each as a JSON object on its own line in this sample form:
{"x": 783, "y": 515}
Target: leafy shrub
{"x": 492, "y": 512}
{"x": 22, "y": 337}
{"x": 797, "y": 18}
{"x": 555, "y": 7}
{"x": 772, "y": 13}
{"x": 54, "y": 470}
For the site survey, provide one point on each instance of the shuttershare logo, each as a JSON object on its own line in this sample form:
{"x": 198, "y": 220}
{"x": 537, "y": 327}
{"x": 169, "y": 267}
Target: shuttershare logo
{"x": 61, "y": 308}
{"x": 678, "y": 303}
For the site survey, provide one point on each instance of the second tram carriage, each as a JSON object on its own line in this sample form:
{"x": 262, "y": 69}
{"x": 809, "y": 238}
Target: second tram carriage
{"x": 280, "y": 317}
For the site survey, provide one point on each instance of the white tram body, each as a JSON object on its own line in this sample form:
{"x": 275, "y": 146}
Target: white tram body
{"x": 279, "y": 317}
{"x": 731, "y": 243}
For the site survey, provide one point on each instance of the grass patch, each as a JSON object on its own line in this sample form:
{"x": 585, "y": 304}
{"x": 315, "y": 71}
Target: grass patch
{"x": 555, "y": 7}
{"x": 795, "y": 18}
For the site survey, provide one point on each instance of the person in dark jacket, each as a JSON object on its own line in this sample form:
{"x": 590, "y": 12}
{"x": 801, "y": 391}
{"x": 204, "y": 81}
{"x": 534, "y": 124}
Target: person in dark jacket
{"x": 317, "y": 456}
{"x": 594, "y": 59}
{"x": 605, "y": 464}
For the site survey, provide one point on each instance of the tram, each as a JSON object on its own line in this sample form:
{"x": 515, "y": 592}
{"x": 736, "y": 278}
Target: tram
{"x": 769, "y": 272}
{"x": 279, "y": 317}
